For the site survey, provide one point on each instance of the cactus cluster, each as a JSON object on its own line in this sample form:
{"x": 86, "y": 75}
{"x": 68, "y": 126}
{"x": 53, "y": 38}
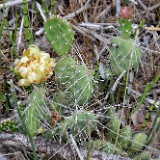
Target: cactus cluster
{"x": 60, "y": 34}
{"x": 76, "y": 84}
{"x": 125, "y": 140}
{"x": 80, "y": 124}
{"x": 124, "y": 55}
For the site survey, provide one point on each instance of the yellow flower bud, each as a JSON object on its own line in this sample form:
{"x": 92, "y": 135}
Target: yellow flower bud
{"x": 35, "y": 66}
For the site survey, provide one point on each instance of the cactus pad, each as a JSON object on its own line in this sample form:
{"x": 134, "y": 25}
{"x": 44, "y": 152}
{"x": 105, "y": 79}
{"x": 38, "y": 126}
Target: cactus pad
{"x": 81, "y": 124}
{"x": 75, "y": 82}
{"x": 125, "y": 28}
{"x": 126, "y": 134}
{"x": 32, "y": 116}
{"x": 59, "y": 33}
{"x": 114, "y": 126}
{"x": 80, "y": 87}
{"x": 139, "y": 140}
{"x": 125, "y": 55}
{"x": 104, "y": 146}
{"x": 64, "y": 69}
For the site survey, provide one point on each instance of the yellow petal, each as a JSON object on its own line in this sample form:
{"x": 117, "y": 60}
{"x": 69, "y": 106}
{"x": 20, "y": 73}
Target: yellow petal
{"x": 23, "y": 71}
{"x": 23, "y": 82}
{"x": 24, "y": 59}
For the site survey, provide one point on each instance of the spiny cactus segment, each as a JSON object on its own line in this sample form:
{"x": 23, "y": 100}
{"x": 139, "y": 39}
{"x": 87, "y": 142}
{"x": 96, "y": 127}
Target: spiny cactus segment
{"x": 33, "y": 112}
{"x": 75, "y": 81}
{"x": 80, "y": 124}
{"x": 104, "y": 146}
{"x": 123, "y": 56}
{"x": 145, "y": 155}
{"x": 138, "y": 141}
{"x": 60, "y": 34}
{"x": 114, "y": 126}
{"x": 64, "y": 69}
{"x": 125, "y": 26}
{"x": 125, "y": 138}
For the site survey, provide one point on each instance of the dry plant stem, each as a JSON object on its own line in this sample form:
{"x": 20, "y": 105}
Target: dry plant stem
{"x": 71, "y": 15}
{"x": 13, "y": 3}
{"x": 73, "y": 143}
{"x": 115, "y": 85}
{"x": 18, "y": 142}
{"x": 20, "y": 34}
{"x": 103, "y": 13}
{"x": 82, "y": 32}
{"x": 96, "y": 51}
{"x": 131, "y": 77}
{"x": 142, "y": 5}
{"x": 41, "y": 11}
{"x": 39, "y": 32}
{"x": 94, "y": 34}
{"x": 118, "y": 7}
{"x": 150, "y": 101}
{"x": 153, "y": 28}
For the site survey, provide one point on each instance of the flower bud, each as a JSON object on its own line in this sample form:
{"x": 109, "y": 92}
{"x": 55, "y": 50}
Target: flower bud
{"x": 125, "y": 13}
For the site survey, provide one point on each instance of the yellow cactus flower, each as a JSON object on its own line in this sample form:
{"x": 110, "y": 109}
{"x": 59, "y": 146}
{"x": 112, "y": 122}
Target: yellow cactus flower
{"x": 34, "y": 67}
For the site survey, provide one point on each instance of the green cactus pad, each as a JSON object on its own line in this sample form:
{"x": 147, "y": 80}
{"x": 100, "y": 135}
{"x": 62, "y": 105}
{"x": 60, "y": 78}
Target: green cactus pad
{"x": 138, "y": 142}
{"x": 126, "y": 134}
{"x": 124, "y": 55}
{"x": 145, "y": 155}
{"x": 114, "y": 125}
{"x": 32, "y": 116}
{"x": 76, "y": 84}
{"x": 80, "y": 88}
{"x": 104, "y": 146}
{"x": 125, "y": 27}
{"x": 64, "y": 69}
{"x": 81, "y": 124}
{"x": 60, "y": 34}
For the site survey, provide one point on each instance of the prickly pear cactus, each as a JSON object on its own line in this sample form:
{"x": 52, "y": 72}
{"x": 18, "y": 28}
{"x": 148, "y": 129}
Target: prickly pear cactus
{"x": 124, "y": 55}
{"x": 60, "y": 34}
{"x": 33, "y": 112}
{"x": 80, "y": 124}
{"x": 80, "y": 87}
{"x": 125, "y": 26}
{"x": 104, "y": 146}
{"x": 75, "y": 81}
{"x": 114, "y": 126}
{"x": 145, "y": 155}
{"x": 64, "y": 69}
{"x": 125, "y": 138}
{"x": 138, "y": 141}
